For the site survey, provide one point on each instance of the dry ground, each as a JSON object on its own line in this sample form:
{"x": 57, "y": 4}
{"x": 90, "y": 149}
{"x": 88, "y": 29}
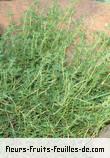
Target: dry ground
{"x": 18, "y": 7}
{"x": 96, "y": 14}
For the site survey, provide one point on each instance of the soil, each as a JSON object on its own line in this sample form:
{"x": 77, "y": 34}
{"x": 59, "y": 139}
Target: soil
{"x": 16, "y": 8}
{"x": 96, "y": 15}
{"x": 99, "y": 20}
{"x": 12, "y": 7}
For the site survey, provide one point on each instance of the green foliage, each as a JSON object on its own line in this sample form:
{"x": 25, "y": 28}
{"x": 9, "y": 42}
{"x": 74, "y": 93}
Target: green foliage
{"x": 41, "y": 95}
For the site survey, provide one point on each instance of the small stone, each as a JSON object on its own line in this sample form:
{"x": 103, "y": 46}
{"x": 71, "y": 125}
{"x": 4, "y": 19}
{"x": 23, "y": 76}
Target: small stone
{"x": 106, "y": 24}
{"x": 105, "y": 132}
